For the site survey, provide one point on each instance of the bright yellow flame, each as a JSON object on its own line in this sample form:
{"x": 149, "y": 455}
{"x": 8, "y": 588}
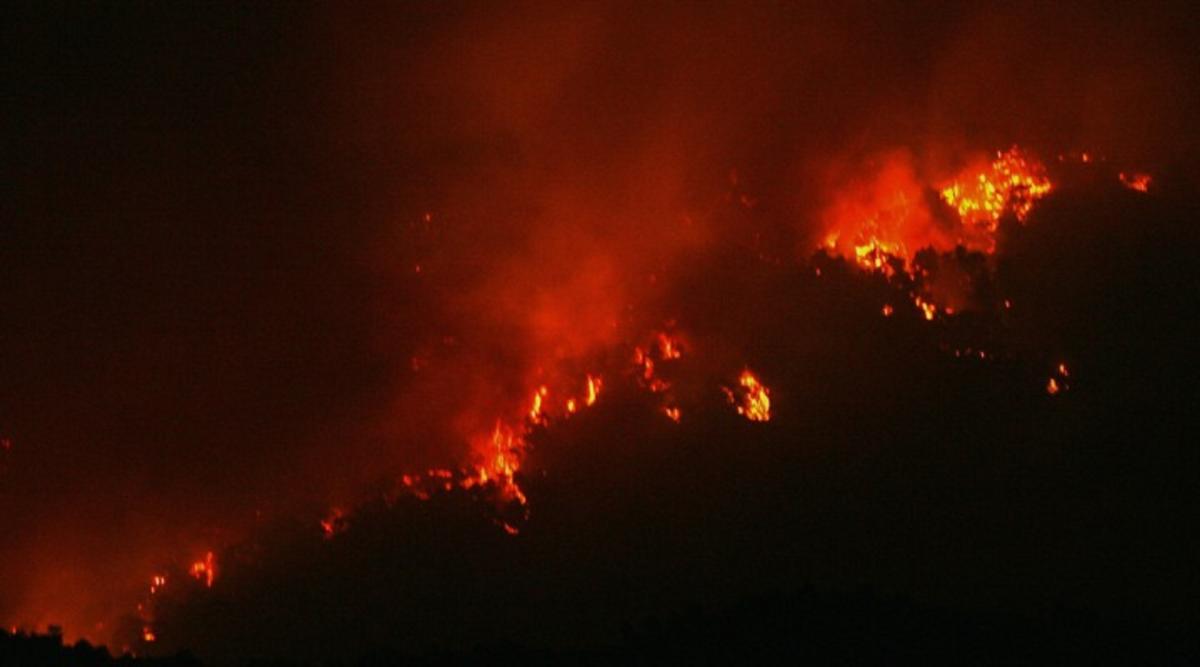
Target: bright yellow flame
{"x": 593, "y": 390}
{"x": 1012, "y": 181}
{"x": 755, "y": 403}
{"x": 535, "y": 412}
{"x": 927, "y": 308}
{"x": 873, "y": 253}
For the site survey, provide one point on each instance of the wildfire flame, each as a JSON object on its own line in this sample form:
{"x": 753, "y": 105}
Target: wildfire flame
{"x": 881, "y": 221}
{"x": 1136, "y": 181}
{"x": 593, "y": 390}
{"x": 885, "y": 216}
{"x": 205, "y": 570}
{"x": 753, "y": 401}
{"x": 1012, "y": 182}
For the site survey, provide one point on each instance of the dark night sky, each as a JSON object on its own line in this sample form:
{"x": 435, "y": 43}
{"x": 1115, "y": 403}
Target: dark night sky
{"x": 209, "y": 219}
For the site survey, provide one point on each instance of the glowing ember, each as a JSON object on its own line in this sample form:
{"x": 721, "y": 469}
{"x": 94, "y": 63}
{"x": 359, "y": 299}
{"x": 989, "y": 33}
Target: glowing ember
{"x": 1058, "y": 380}
{"x": 673, "y": 414}
{"x": 148, "y": 635}
{"x": 1136, "y": 181}
{"x": 887, "y": 310}
{"x": 333, "y": 523}
{"x": 927, "y": 309}
{"x": 205, "y": 570}
{"x": 156, "y": 583}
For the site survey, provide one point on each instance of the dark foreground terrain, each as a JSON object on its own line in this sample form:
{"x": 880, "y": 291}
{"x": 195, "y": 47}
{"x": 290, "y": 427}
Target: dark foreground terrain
{"x": 805, "y": 627}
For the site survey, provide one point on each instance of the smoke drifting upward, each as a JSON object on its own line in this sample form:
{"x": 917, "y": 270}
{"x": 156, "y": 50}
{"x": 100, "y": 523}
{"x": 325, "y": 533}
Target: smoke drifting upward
{"x": 263, "y": 262}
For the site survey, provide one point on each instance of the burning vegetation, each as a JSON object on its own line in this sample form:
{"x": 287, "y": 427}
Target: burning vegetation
{"x": 565, "y": 278}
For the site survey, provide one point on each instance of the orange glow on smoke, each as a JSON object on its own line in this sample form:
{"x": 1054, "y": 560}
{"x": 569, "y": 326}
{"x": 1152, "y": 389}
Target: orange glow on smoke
{"x": 880, "y": 216}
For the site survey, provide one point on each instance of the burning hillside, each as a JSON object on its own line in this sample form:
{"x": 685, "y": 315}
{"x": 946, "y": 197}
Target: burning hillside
{"x": 446, "y": 325}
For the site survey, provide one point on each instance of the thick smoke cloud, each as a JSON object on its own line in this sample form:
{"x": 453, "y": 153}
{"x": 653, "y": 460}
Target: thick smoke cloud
{"x": 214, "y": 318}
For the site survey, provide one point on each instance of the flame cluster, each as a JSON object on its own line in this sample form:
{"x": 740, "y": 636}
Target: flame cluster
{"x": 888, "y": 215}
{"x": 205, "y": 569}
{"x": 751, "y": 398}
{"x": 1012, "y": 182}
{"x": 664, "y": 348}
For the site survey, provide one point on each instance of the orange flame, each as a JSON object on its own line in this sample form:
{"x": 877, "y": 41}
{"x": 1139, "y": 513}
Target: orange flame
{"x": 1013, "y": 181}
{"x": 205, "y": 570}
{"x": 593, "y": 390}
{"x": 754, "y": 402}
{"x": 1136, "y": 181}
{"x": 928, "y": 309}
{"x": 885, "y": 215}
{"x": 536, "y": 415}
